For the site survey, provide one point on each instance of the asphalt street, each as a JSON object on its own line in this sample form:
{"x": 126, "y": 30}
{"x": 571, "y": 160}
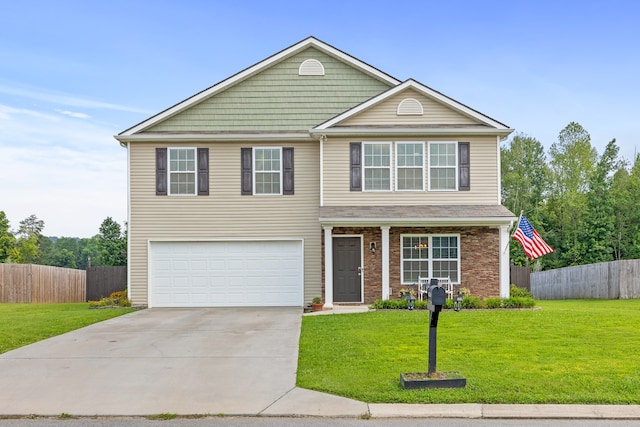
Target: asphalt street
{"x": 309, "y": 422}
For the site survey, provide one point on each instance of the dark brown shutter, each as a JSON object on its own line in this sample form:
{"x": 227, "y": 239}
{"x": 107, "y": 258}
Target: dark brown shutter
{"x": 203, "y": 171}
{"x": 355, "y": 151}
{"x": 246, "y": 161}
{"x": 287, "y": 170}
{"x": 161, "y": 171}
{"x": 464, "y": 182}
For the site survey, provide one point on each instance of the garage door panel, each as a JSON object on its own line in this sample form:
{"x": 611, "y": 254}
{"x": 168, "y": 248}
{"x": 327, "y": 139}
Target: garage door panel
{"x": 236, "y": 273}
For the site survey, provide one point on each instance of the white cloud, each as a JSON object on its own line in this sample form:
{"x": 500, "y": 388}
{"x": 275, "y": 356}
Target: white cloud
{"x": 74, "y": 114}
{"x": 69, "y": 173}
{"x": 59, "y": 98}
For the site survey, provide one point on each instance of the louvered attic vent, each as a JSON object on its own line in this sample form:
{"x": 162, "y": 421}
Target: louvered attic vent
{"x": 311, "y": 67}
{"x": 410, "y": 107}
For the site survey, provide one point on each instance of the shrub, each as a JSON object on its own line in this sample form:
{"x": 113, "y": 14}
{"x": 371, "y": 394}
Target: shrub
{"x": 472, "y": 302}
{"x": 518, "y": 302}
{"x": 518, "y": 292}
{"x": 116, "y": 299}
{"x": 493, "y": 302}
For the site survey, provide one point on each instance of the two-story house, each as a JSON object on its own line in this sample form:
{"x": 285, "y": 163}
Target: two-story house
{"x": 312, "y": 173}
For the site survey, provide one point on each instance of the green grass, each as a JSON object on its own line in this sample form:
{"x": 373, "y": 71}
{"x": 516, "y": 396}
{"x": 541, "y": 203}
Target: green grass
{"x": 581, "y": 352}
{"x": 22, "y": 324}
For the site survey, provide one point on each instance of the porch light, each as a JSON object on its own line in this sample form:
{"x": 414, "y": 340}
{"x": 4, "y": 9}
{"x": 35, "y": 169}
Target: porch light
{"x": 372, "y": 246}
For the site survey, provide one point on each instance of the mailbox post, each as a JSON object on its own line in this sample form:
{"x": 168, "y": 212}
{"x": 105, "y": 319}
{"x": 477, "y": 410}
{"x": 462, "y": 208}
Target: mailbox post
{"x": 437, "y": 297}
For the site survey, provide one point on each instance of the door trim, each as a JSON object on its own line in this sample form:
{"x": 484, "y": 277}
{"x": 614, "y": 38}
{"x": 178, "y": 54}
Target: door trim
{"x": 361, "y": 237}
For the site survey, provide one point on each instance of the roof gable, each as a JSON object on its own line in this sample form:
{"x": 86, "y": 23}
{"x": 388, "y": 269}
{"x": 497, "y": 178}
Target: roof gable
{"x": 309, "y": 44}
{"x": 438, "y": 110}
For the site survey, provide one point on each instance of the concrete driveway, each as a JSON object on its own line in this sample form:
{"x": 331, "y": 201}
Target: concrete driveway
{"x": 187, "y": 361}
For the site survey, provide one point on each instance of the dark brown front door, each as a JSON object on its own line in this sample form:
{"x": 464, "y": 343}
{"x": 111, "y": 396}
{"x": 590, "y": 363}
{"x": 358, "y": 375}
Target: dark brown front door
{"x": 347, "y": 269}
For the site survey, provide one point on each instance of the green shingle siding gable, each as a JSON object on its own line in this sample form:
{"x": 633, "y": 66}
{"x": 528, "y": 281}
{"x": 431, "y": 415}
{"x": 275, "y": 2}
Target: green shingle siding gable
{"x": 278, "y": 99}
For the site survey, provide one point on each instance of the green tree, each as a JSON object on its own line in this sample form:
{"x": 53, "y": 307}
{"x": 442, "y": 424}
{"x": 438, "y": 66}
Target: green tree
{"x": 27, "y": 248}
{"x": 599, "y": 225}
{"x": 7, "y": 239}
{"x": 112, "y": 243}
{"x": 572, "y": 162}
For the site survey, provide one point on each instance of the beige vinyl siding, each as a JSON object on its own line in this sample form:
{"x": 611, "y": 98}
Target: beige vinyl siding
{"x": 279, "y": 99}
{"x": 224, "y": 214}
{"x": 484, "y": 179}
{"x": 384, "y": 113}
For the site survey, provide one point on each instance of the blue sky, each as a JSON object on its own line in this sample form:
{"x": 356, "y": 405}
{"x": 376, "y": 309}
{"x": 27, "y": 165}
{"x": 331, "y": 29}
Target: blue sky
{"x": 75, "y": 73}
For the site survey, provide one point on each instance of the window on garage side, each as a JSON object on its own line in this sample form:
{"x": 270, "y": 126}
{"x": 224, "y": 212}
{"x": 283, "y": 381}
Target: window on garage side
{"x": 377, "y": 166}
{"x": 268, "y": 170}
{"x": 409, "y": 166}
{"x": 430, "y": 256}
{"x": 182, "y": 171}
{"x": 443, "y": 170}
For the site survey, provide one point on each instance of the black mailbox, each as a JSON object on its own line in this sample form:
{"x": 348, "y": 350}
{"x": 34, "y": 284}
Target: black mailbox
{"x": 436, "y": 295}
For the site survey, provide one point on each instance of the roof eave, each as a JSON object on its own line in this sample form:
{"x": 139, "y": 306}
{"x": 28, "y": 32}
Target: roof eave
{"x": 410, "y": 131}
{"x": 221, "y": 136}
{"x": 420, "y": 222}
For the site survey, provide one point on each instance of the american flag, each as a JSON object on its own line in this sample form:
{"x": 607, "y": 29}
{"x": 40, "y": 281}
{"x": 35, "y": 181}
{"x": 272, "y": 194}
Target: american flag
{"x": 530, "y": 240}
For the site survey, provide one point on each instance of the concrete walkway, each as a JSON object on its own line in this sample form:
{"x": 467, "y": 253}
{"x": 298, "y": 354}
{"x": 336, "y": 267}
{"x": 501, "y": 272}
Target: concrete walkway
{"x": 206, "y": 361}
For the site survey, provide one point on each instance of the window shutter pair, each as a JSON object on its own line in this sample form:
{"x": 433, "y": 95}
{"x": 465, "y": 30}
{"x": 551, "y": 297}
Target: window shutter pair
{"x": 464, "y": 166}
{"x": 162, "y": 171}
{"x": 246, "y": 162}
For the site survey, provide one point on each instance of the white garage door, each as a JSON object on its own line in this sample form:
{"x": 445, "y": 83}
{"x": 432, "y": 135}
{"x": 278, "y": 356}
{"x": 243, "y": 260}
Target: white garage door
{"x": 226, "y": 274}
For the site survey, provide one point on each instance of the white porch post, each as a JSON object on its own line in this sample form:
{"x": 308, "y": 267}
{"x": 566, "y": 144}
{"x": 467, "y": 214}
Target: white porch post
{"x": 385, "y": 261}
{"x": 328, "y": 267}
{"x": 504, "y": 261}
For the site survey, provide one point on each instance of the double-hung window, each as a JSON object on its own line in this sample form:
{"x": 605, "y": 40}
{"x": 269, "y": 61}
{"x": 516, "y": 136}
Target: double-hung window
{"x": 267, "y": 170}
{"x": 430, "y": 256}
{"x": 409, "y": 166}
{"x": 377, "y": 166}
{"x": 182, "y": 171}
{"x": 443, "y": 170}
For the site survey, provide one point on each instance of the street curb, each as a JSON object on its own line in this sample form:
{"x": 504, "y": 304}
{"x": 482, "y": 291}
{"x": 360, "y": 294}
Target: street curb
{"x": 498, "y": 411}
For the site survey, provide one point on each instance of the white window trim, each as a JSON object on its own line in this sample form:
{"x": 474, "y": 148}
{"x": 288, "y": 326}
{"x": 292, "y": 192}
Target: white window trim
{"x": 254, "y": 171}
{"x": 430, "y": 254}
{"x": 456, "y": 173}
{"x": 364, "y": 167}
{"x": 170, "y": 172}
{"x": 409, "y": 167}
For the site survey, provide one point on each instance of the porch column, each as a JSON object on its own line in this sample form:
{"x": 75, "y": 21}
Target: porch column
{"x": 504, "y": 261}
{"x": 328, "y": 267}
{"x": 385, "y": 261}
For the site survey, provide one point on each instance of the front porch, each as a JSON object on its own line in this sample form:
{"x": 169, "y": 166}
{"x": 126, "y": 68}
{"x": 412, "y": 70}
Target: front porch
{"x": 365, "y": 262}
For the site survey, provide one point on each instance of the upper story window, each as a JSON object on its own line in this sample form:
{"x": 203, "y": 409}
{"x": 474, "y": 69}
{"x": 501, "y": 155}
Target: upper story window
{"x": 409, "y": 166}
{"x": 372, "y": 164}
{"x": 182, "y": 171}
{"x": 267, "y": 170}
{"x": 377, "y": 166}
{"x": 443, "y": 161}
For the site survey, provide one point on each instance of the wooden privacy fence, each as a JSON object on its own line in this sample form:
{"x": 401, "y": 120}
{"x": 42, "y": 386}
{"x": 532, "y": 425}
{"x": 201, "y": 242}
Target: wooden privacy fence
{"x": 520, "y": 276}
{"x": 605, "y": 280}
{"x": 28, "y": 283}
{"x": 102, "y": 281}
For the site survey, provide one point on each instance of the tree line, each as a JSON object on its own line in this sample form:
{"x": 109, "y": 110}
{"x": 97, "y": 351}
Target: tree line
{"x": 584, "y": 205}
{"x": 27, "y": 245}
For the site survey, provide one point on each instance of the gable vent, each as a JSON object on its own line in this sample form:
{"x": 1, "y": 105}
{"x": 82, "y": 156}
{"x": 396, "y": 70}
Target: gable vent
{"x": 410, "y": 107}
{"x": 311, "y": 67}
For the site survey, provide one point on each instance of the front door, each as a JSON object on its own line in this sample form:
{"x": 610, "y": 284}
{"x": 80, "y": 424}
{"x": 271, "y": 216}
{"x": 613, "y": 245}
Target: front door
{"x": 347, "y": 269}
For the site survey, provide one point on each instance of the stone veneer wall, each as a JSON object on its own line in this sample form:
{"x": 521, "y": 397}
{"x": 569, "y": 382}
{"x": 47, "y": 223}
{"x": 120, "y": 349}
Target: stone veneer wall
{"x": 479, "y": 258}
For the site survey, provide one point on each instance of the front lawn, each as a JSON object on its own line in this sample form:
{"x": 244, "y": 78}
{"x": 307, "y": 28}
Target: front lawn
{"x": 22, "y": 324}
{"x": 582, "y": 351}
